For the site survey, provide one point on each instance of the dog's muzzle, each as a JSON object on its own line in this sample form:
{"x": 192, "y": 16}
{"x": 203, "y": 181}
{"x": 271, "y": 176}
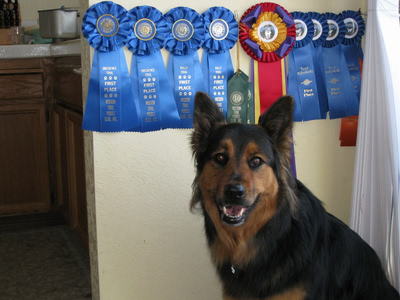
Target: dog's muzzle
{"x": 234, "y": 210}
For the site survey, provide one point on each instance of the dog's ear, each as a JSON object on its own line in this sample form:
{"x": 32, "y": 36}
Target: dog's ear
{"x": 207, "y": 117}
{"x": 278, "y": 122}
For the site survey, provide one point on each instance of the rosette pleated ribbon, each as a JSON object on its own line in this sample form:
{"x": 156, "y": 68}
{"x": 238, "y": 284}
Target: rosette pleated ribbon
{"x": 220, "y": 36}
{"x": 185, "y": 37}
{"x": 321, "y": 30}
{"x": 351, "y": 45}
{"x": 267, "y": 34}
{"x": 302, "y": 83}
{"x": 342, "y": 98}
{"x": 148, "y": 73}
{"x": 110, "y": 105}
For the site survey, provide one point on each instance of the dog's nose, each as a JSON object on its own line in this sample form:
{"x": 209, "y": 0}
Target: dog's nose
{"x": 235, "y": 191}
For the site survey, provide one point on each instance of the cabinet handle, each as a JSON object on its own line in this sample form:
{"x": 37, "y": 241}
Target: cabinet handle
{"x": 77, "y": 71}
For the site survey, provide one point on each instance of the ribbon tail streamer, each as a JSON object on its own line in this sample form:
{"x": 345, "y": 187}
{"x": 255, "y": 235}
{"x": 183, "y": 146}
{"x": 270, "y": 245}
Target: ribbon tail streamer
{"x": 110, "y": 104}
{"x": 217, "y": 69}
{"x": 152, "y": 88}
{"x": 187, "y": 76}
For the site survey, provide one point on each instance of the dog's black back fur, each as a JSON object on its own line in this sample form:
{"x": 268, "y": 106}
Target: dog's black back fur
{"x": 301, "y": 245}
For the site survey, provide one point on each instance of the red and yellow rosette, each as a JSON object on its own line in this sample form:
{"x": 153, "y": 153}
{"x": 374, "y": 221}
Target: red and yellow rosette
{"x": 267, "y": 34}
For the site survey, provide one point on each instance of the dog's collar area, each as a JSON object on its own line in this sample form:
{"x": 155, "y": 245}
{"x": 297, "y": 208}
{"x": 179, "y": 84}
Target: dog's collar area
{"x": 231, "y": 270}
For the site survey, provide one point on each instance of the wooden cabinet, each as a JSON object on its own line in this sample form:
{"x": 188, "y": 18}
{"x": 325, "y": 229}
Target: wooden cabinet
{"x": 24, "y": 170}
{"x": 24, "y": 165}
{"x": 68, "y": 142}
{"x": 42, "y": 162}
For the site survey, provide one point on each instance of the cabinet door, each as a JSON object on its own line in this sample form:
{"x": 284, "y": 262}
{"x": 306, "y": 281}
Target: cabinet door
{"x": 61, "y": 162}
{"x": 76, "y": 175}
{"x": 24, "y": 170}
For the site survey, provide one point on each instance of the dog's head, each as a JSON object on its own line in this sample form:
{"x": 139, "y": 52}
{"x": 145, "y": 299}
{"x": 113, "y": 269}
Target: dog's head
{"x": 243, "y": 171}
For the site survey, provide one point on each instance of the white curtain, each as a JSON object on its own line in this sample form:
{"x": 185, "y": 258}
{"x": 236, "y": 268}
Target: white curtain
{"x": 376, "y": 187}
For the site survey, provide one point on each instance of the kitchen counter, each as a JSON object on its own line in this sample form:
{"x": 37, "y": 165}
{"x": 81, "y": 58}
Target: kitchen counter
{"x": 66, "y": 48}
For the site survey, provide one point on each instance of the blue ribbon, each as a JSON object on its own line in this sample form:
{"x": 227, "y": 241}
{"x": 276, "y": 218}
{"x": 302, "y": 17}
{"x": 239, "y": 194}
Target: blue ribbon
{"x": 351, "y": 45}
{"x": 302, "y": 79}
{"x": 321, "y": 30}
{"x": 342, "y": 98}
{"x": 109, "y": 105}
{"x": 220, "y": 36}
{"x": 186, "y": 36}
{"x": 148, "y": 74}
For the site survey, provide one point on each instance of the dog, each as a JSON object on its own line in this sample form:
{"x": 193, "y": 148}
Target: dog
{"x": 269, "y": 237}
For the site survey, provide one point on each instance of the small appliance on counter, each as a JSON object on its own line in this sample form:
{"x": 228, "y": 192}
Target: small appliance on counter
{"x": 59, "y": 24}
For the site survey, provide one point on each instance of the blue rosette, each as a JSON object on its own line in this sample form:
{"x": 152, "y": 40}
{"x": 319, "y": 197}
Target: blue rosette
{"x": 148, "y": 74}
{"x": 187, "y": 31}
{"x": 220, "y": 36}
{"x": 336, "y": 32}
{"x": 321, "y": 30}
{"x": 342, "y": 97}
{"x": 302, "y": 84}
{"x": 185, "y": 37}
{"x": 304, "y": 29}
{"x": 221, "y": 30}
{"x": 150, "y": 30}
{"x": 110, "y": 104}
{"x": 355, "y": 27}
{"x": 106, "y": 26}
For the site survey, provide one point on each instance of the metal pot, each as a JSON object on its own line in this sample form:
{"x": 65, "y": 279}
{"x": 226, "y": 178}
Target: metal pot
{"x": 61, "y": 23}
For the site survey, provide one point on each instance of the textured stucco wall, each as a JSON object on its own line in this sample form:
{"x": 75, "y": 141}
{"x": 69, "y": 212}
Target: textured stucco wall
{"x": 149, "y": 245}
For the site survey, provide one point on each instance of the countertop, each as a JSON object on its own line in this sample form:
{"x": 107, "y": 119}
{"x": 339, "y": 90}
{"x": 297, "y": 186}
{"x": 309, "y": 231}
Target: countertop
{"x": 71, "y": 47}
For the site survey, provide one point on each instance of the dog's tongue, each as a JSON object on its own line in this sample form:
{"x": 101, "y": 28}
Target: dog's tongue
{"x": 233, "y": 210}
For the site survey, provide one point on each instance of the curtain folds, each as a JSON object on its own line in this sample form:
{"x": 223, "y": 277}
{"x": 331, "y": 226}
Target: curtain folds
{"x": 375, "y": 200}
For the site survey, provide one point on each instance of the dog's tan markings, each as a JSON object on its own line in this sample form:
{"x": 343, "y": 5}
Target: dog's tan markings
{"x": 297, "y": 293}
{"x": 292, "y": 294}
{"x": 234, "y": 244}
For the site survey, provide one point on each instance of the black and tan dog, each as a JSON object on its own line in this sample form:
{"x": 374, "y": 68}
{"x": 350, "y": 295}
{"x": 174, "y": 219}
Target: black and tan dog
{"x": 269, "y": 236}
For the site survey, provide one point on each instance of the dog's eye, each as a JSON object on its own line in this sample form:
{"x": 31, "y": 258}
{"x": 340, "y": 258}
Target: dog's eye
{"x": 221, "y": 159}
{"x": 255, "y": 162}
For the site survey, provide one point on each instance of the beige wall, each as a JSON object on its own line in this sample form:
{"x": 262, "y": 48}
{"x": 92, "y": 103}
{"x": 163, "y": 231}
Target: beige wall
{"x": 149, "y": 245}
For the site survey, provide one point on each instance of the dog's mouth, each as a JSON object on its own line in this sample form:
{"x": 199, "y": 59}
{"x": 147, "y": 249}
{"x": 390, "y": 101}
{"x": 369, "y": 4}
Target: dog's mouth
{"x": 234, "y": 215}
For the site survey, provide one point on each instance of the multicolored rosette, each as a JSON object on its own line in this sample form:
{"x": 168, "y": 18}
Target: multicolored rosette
{"x": 321, "y": 30}
{"x": 302, "y": 82}
{"x": 148, "y": 74}
{"x": 110, "y": 104}
{"x": 186, "y": 36}
{"x": 342, "y": 98}
{"x": 220, "y": 36}
{"x": 267, "y": 34}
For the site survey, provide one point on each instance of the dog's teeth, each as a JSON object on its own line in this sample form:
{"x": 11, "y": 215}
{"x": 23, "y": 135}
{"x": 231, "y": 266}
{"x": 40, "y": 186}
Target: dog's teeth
{"x": 225, "y": 211}
{"x": 233, "y": 212}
